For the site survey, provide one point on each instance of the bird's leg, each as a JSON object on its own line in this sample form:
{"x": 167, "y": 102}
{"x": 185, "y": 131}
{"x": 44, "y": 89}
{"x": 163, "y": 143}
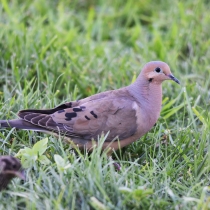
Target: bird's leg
{"x": 116, "y": 165}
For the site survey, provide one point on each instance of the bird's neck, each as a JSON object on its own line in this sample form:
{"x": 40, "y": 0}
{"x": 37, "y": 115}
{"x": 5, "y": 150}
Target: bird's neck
{"x": 4, "y": 181}
{"x": 149, "y": 96}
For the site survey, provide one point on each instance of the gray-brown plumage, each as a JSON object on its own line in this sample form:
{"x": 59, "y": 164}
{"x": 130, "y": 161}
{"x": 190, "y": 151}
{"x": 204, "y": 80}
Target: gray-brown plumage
{"x": 126, "y": 113}
{"x": 10, "y": 167}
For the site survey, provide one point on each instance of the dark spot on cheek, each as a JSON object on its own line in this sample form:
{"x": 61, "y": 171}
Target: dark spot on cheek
{"x": 70, "y": 115}
{"x": 150, "y": 80}
{"x": 87, "y": 117}
{"x": 94, "y": 115}
{"x": 60, "y": 111}
{"x": 77, "y": 109}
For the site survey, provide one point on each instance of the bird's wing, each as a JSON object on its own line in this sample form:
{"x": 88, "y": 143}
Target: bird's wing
{"x": 113, "y": 113}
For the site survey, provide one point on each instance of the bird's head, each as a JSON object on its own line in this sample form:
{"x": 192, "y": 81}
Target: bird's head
{"x": 11, "y": 167}
{"x": 157, "y": 72}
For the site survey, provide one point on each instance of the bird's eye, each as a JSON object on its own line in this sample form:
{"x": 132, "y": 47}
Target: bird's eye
{"x": 158, "y": 70}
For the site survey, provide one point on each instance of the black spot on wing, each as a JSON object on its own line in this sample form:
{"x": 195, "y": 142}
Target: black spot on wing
{"x": 69, "y": 104}
{"x": 63, "y": 106}
{"x": 47, "y": 111}
{"x": 70, "y": 115}
{"x": 94, "y": 115}
{"x": 77, "y": 109}
{"x": 60, "y": 111}
{"x": 87, "y": 117}
{"x": 82, "y": 107}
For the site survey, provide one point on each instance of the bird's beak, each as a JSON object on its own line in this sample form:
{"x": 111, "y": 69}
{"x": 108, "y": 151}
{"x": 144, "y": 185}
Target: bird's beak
{"x": 172, "y": 77}
{"x": 20, "y": 174}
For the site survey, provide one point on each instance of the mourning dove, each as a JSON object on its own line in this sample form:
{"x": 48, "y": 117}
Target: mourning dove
{"x": 126, "y": 113}
{"x": 10, "y": 167}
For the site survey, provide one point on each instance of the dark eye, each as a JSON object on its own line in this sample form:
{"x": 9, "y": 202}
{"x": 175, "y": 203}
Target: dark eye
{"x": 158, "y": 70}
{"x": 14, "y": 166}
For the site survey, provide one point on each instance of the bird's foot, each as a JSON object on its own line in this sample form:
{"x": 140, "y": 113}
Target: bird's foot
{"x": 117, "y": 166}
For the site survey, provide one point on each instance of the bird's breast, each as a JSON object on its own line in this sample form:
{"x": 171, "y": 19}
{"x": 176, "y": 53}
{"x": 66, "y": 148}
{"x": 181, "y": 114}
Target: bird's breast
{"x": 145, "y": 118}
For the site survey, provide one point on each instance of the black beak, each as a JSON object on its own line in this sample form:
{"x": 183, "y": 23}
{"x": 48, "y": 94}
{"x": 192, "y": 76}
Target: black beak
{"x": 173, "y": 78}
{"x": 20, "y": 174}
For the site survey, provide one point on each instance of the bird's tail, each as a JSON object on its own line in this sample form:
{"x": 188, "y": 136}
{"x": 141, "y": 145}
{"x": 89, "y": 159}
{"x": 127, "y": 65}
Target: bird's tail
{"x": 20, "y": 124}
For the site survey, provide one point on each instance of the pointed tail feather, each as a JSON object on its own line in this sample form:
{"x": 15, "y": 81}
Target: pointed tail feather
{"x": 20, "y": 124}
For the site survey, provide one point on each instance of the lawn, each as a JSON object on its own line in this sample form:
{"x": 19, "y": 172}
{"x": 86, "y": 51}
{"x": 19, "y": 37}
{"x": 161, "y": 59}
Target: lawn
{"x": 57, "y": 51}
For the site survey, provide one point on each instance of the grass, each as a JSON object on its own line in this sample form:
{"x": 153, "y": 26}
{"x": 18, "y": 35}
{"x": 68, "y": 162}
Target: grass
{"x": 56, "y": 51}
